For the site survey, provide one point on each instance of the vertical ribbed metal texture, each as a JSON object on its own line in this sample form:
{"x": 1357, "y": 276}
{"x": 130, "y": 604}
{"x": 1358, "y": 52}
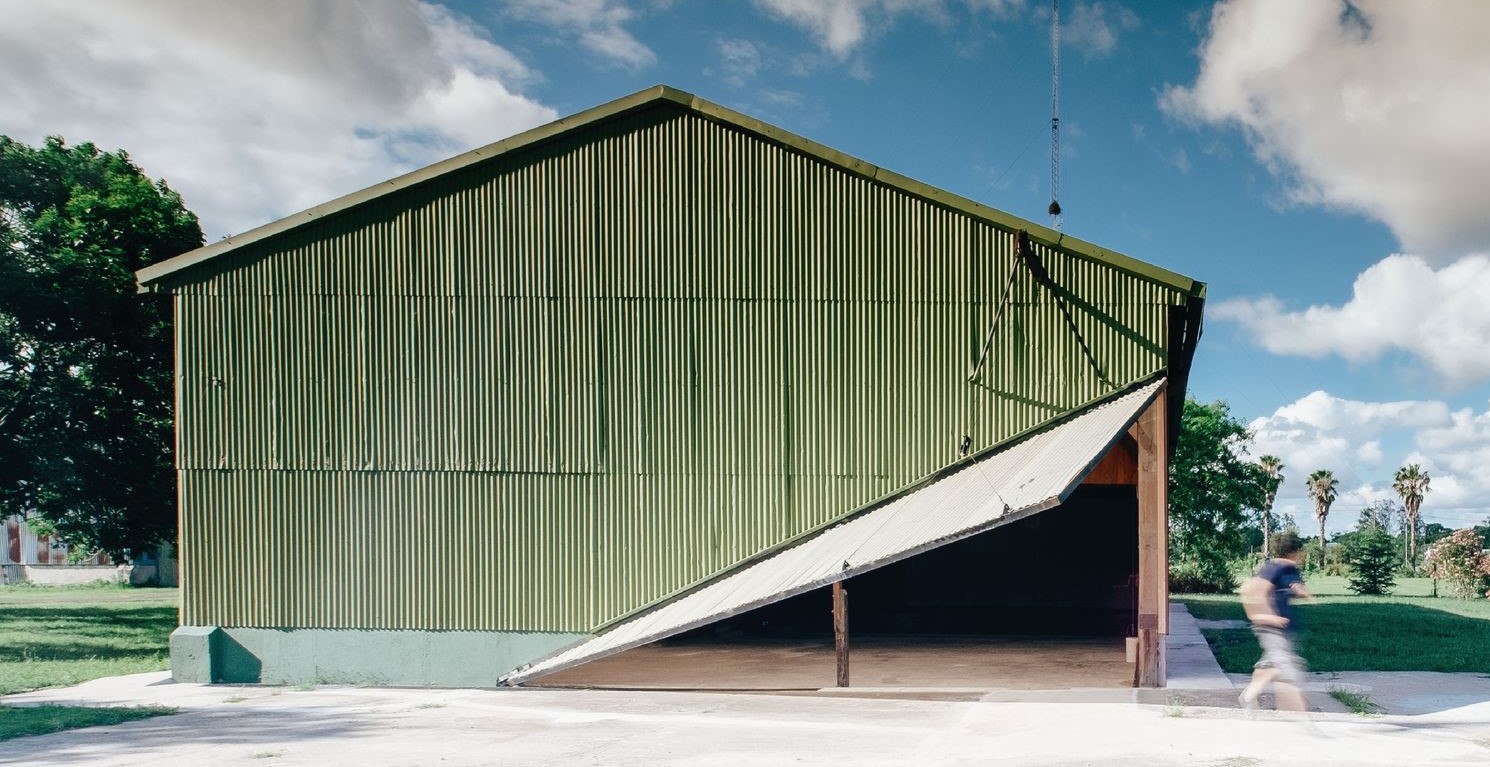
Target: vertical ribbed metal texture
{"x": 540, "y": 393}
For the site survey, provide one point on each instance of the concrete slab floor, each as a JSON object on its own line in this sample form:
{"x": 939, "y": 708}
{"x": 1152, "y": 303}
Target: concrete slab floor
{"x": 376, "y": 727}
{"x": 876, "y": 662}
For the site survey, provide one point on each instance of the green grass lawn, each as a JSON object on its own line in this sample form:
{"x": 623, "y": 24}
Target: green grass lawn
{"x": 16, "y": 721}
{"x": 59, "y": 636}
{"x": 54, "y": 637}
{"x": 1407, "y": 631}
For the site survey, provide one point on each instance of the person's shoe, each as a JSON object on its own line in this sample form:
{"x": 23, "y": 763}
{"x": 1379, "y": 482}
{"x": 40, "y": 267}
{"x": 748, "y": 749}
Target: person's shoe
{"x": 1249, "y": 705}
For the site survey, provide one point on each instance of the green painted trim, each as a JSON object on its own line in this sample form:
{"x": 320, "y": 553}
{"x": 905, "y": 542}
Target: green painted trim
{"x": 151, "y": 275}
{"x": 888, "y": 498}
{"x": 361, "y": 657}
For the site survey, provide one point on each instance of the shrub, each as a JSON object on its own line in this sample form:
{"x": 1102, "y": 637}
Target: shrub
{"x": 1460, "y": 560}
{"x": 1373, "y": 560}
{"x": 1190, "y": 577}
{"x": 1334, "y": 568}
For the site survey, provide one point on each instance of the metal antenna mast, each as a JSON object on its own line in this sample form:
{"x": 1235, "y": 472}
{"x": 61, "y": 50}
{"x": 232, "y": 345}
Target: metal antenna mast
{"x": 1055, "y": 113}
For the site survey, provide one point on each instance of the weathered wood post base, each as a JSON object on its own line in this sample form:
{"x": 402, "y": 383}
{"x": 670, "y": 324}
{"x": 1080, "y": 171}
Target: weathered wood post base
{"x": 840, "y": 631}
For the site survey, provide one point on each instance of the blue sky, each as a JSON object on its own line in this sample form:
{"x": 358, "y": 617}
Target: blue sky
{"x": 1320, "y": 165}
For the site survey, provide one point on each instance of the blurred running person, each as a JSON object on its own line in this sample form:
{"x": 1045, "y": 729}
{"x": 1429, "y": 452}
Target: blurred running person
{"x": 1268, "y": 599}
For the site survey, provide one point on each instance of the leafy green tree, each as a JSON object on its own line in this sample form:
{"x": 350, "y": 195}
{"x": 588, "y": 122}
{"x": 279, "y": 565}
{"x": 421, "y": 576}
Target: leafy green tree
{"x": 1433, "y": 532}
{"x": 1411, "y": 483}
{"x": 1322, "y": 487}
{"x": 1371, "y": 551}
{"x": 1212, "y": 487}
{"x": 1381, "y": 515}
{"x": 85, "y": 362}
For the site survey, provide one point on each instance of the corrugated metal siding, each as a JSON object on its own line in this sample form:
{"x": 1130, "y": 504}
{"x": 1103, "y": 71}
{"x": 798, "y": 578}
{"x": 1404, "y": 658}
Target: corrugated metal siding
{"x": 1031, "y": 475}
{"x": 555, "y": 388}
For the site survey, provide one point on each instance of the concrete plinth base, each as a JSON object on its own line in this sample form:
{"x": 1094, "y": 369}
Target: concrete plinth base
{"x": 193, "y": 651}
{"x": 363, "y": 657}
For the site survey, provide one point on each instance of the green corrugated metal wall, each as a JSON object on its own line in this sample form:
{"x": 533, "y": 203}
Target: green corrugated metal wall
{"x": 539, "y": 393}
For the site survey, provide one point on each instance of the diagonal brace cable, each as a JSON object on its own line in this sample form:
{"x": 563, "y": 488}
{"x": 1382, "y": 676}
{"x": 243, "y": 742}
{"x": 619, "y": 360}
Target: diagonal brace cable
{"x": 1037, "y": 269}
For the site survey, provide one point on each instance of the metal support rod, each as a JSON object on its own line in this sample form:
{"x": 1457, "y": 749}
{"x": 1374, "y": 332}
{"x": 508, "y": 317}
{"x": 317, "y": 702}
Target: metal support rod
{"x": 840, "y": 631}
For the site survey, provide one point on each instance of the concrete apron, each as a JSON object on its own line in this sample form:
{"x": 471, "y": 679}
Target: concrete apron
{"x": 990, "y": 669}
{"x": 919, "y": 668}
{"x": 946, "y": 668}
{"x": 877, "y": 663}
{"x": 379, "y": 726}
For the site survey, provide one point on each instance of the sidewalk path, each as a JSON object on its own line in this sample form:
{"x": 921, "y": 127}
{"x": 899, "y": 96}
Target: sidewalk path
{"x": 277, "y": 726}
{"x": 1192, "y": 665}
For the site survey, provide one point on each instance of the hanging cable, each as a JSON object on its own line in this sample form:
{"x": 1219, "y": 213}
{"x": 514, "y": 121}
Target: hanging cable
{"x": 1037, "y": 269}
{"x": 1055, "y": 114}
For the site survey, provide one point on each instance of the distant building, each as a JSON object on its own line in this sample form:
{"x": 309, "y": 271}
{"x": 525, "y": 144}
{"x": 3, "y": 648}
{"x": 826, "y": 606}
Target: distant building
{"x": 20, "y": 546}
{"x": 28, "y": 557}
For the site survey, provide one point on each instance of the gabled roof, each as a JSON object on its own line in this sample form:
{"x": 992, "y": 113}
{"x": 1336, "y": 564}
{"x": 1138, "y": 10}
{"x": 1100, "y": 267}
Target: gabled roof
{"x": 708, "y": 110}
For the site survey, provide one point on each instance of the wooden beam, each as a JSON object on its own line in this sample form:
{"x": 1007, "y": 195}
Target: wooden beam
{"x": 1118, "y": 467}
{"x": 840, "y": 631}
{"x": 1151, "y": 433}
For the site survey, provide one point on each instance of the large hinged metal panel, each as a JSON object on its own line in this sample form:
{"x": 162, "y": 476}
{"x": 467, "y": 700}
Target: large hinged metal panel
{"x": 1029, "y": 476}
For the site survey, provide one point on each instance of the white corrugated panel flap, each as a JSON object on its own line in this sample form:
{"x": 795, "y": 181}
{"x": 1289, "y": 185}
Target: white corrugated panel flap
{"x": 1029, "y": 476}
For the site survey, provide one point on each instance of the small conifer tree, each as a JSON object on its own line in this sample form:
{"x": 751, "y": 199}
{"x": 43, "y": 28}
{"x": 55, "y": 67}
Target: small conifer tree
{"x": 1373, "y": 561}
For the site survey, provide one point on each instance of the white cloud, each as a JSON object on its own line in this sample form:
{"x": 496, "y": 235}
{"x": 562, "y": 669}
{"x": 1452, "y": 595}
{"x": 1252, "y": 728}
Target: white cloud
{"x": 1364, "y": 443}
{"x": 841, "y": 26}
{"x": 1375, "y": 106}
{"x": 598, "y": 25}
{"x": 1402, "y": 304}
{"x": 1320, "y": 431}
{"x": 1181, "y": 160}
{"x": 254, "y": 111}
{"x": 739, "y": 60}
{"x": 1093, "y": 28}
{"x": 998, "y": 8}
{"x": 838, "y": 25}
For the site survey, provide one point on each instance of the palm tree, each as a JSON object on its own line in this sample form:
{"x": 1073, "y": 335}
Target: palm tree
{"x": 1411, "y": 484}
{"x": 1322, "y": 485}
{"x": 1272, "y": 466}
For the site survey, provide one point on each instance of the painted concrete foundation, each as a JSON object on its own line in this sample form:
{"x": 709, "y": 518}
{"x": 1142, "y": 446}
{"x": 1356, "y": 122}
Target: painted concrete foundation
{"x": 381, "y": 658}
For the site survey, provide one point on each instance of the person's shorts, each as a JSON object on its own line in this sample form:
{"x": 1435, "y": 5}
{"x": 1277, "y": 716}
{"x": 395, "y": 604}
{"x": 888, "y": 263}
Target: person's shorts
{"x": 1278, "y": 652}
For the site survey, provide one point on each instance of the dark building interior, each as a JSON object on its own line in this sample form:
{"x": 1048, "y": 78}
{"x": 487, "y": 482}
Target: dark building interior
{"x": 1068, "y": 571}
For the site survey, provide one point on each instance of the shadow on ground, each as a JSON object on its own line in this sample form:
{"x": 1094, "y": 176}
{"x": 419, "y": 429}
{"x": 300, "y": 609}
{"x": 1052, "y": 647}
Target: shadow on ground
{"x": 212, "y": 728}
{"x": 92, "y": 632}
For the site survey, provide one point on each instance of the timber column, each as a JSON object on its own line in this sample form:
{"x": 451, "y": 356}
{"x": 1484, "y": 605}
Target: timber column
{"x": 1151, "y": 432}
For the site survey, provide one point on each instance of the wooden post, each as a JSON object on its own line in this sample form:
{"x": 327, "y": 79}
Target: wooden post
{"x": 1151, "y": 432}
{"x": 840, "y": 631}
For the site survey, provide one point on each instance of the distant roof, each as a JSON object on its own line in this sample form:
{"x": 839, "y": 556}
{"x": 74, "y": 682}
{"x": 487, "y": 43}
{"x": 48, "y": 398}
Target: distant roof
{"x": 708, "y": 110}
